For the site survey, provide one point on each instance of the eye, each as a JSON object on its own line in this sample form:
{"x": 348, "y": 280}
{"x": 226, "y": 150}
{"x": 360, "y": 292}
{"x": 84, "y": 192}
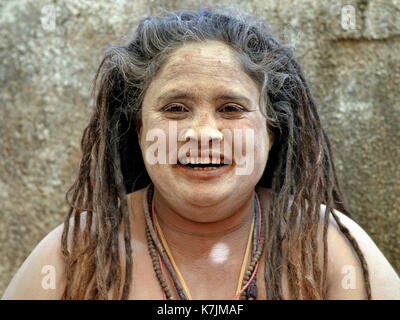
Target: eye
{"x": 232, "y": 110}
{"x": 175, "y": 108}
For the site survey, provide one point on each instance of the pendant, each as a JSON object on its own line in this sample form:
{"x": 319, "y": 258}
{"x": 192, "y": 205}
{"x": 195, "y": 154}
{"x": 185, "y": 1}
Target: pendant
{"x": 252, "y": 291}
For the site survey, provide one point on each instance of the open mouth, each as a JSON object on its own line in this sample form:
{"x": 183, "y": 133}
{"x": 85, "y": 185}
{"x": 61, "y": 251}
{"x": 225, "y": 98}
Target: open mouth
{"x": 203, "y": 166}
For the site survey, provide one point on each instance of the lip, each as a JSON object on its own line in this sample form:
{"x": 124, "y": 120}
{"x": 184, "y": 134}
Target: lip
{"x": 203, "y": 174}
{"x": 220, "y": 158}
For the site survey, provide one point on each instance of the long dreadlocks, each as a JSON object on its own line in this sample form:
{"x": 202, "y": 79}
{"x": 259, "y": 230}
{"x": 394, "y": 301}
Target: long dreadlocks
{"x": 300, "y": 162}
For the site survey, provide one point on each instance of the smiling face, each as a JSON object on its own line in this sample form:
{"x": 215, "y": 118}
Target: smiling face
{"x": 202, "y": 89}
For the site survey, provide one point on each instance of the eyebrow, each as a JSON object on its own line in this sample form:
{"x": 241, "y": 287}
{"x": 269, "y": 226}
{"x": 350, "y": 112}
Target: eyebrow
{"x": 178, "y": 94}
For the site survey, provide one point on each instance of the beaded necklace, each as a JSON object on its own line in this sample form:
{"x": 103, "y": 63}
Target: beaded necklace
{"x": 160, "y": 252}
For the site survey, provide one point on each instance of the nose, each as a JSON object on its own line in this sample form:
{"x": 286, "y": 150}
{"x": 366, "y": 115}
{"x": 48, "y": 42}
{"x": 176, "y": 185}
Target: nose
{"x": 204, "y": 138}
{"x": 204, "y": 130}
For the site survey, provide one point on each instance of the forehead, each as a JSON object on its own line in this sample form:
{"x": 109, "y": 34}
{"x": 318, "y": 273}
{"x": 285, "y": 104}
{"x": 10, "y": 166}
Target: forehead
{"x": 207, "y": 57}
{"x": 210, "y": 65}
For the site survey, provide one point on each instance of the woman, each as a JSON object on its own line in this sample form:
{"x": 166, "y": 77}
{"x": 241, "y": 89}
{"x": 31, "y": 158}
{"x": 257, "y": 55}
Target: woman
{"x": 160, "y": 208}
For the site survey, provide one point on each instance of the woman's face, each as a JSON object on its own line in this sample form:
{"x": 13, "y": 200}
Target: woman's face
{"x": 202, "y": 90}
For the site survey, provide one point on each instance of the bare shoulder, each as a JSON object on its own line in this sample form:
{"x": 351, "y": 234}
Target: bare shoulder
{"x": 345, "y": 274}
{"x": 42, "y": 275}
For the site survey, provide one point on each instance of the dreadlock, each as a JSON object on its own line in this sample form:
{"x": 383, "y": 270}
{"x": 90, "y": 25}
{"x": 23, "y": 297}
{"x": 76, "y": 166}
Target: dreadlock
{"x": 300, "y": 165}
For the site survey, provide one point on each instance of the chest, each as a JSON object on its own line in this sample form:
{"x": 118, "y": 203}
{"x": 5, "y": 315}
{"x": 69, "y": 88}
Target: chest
{"x": 212, "y": 283}
{"x": 204, "y": 280}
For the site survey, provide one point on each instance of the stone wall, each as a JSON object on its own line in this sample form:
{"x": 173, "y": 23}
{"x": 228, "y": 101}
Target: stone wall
{"x": 46, "y": 69}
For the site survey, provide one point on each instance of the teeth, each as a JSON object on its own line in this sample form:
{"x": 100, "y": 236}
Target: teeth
{"x": 200, "y": 160}
{"x": 205, "y": 169}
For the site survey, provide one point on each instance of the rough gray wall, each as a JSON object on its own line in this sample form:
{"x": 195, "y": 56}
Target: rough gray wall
{"x": 45, "y": 81}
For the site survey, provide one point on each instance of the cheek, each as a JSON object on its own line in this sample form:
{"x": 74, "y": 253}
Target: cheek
{"x": 151, "y": 140}
{"x": 255, "y": 137}
{"x": 151, "y": 126}
{"x": 159, "y": 141}
{"x": 263, "y": 144}
{"x": 260, "y": 147}
{"x": 249, "y": 141}
{"x": 262, "y": 141}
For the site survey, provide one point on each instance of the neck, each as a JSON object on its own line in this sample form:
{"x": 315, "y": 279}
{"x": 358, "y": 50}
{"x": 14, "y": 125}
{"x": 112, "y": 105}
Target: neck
{"x": 227, "y": 228}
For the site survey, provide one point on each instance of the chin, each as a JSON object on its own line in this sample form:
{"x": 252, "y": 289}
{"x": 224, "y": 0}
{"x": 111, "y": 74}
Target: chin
{"x": 206, "y": 195}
